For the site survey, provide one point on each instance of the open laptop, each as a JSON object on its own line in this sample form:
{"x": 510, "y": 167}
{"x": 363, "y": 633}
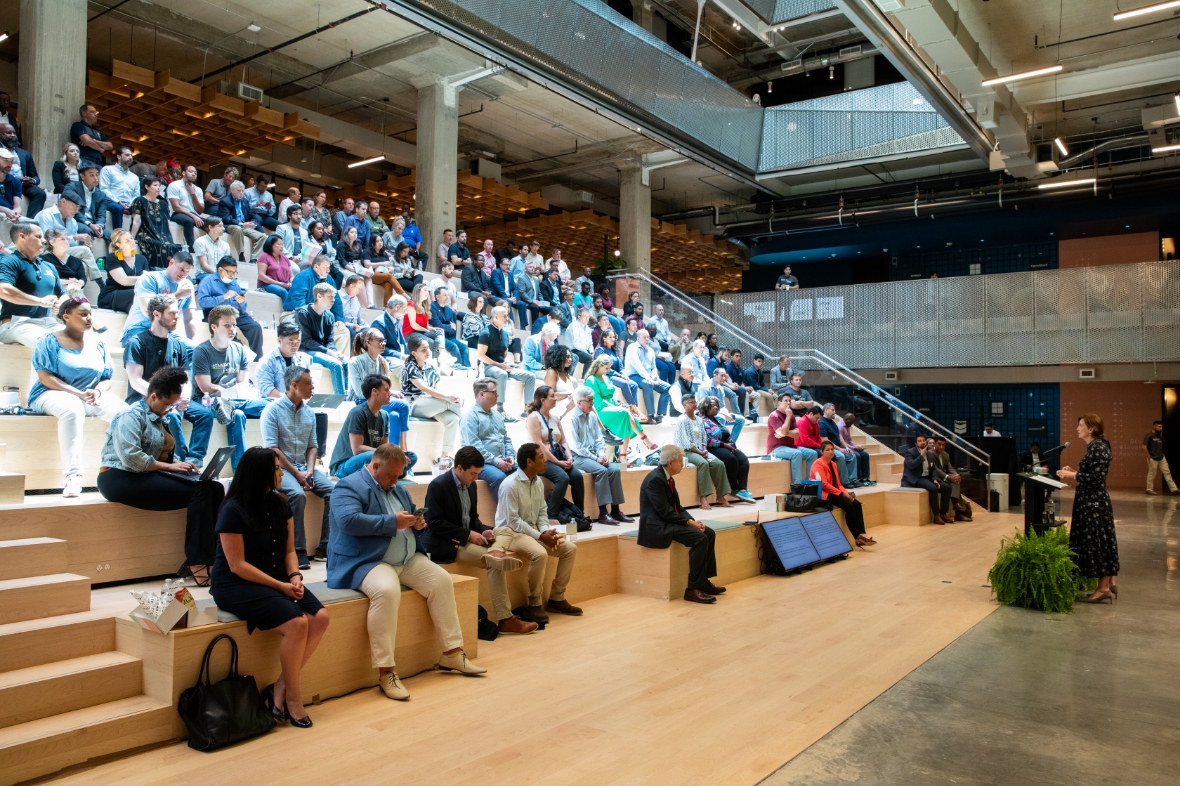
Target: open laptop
{"x": 326, "y": 400}
{"x": 212, "y": 469}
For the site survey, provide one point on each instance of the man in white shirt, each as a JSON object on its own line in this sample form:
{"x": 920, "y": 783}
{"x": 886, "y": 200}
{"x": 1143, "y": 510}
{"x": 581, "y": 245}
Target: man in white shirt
{"x": 534, "y": 257}
{"x": 210, "y": 248}
{"x": 184, "y": 199}
{"x": 120, "y": 184}
{"x": 522, "y": 507}
{"x": 989, "y": 430}
{"x": 563, "y": 270}
{"x": 292, "y": 199}
{"x": 657, "y": 326}
{"x": 447, "y": 278}
{"x": 640, "y": 367}
{"x": 293, "y": 233}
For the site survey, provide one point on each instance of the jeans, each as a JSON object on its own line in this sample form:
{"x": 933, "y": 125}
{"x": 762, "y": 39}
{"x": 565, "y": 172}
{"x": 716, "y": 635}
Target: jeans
{"x": 649, "y": 389}
{"x": 459, "y": 350}
{"x": 862, "y": 461}
{"x": 492, "y": 475}
{"x": 628, "y": 388}
{"x": 353, "y": 464}
{"x": 338, "y": 370}
{"x": 399, "y": 419}
{"x": 735, "y": 428}
{"x": 235, "y": 430}
{"x": 297, "y": 499}
{"x": 616, "y": 325}
{"x": 194, "y": 449}
{"x": 845, "y": 466}
{"x": 666, "y": 370}
{"x": 801, "y": 460}
{"x": 273, "y": 289}
{"x": 116, "y": 212}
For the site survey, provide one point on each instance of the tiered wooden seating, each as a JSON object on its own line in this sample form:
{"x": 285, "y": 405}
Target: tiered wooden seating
{"x": 163, "y": 117}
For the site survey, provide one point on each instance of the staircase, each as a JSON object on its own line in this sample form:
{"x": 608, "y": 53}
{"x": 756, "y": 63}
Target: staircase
{"x": 66, "y": 693}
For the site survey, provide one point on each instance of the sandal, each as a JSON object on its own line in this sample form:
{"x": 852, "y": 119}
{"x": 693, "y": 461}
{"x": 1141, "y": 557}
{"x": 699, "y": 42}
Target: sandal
{"x": 200, "y": 574}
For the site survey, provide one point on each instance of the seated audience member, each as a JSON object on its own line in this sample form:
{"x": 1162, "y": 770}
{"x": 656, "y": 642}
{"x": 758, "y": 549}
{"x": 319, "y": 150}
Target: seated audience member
{"x": 186, "y": 204}
{"x": 256, "y": 576}
{"x": 219, "y": 371}
{"x": 403, "y": 269}
{"x": 446, "y": 278}
{"x": 631, "y": 328}
{"x": 640, "y": 368}
{"x": 824, "y": 470}
{"x": 367, "y": 361}
{"x": 210, "y": 248}
{"x": 780, "y": 441}
{"x": 564, "y": 310}
{"x": 292, "y": 199}
{"x": 24, "y": 169}
{"x": 454, "y": 533}
{"x": 690, "y": 437}
{"x": 294, "y": 234}
{"x": 657, "y": 327}
{"x": 522, "y": 508}
{"x": 149, "y": 224}
{"x": 715, "y": 386}
{"x": 472, "y": 322}
{"x": 457, "y": 254}
{"x": 919, "y": 473}
{"x": 317, "y": 326}
{"x": 377, "y": 548}
{"x": 535, "y": 346}
{"x": 390, "y": 325}
{"x": 528, "y": 299}
{"x": 862, "y": 456}
{"x": 475, "y": 280}
{"x": 216, "y": 190}
{"x": 631, "y": 302}
{"x": 752, "y": 377}
{"x": 240, "y": 222}
{"x": 123, "y": 267}
{"x": 416, "y": 322}
{"x": 698, "y": 361}
{"x": 492, "y": 350}
{"x": 377, "y": 225}
{"x": 945, "y": 472}
{"x": 305, "y": 281}
{"x": 829, "y": 429}
{"x": 348, "y": 298}
{"x": 662, "y": 519}
{"x": 289, "y": 429}
{"x": 780, "y": 377}
{"x": 29, "y": 289}
{"x": 584, "y": 296}
{"x": 712, "y": 346}
{"x": 608, "y": 306}
{"x": 92, "y": 202}
{"x": 685, "y": 383}
{"x": 73, "y": 383}
{"x": 173, "y": 280}
{"x": 808, "y": 425}
{"x": 11, "y": 204}
{"x": 748, "y": 395}
{"x": 275, "y": 272}
{"x": 482, "y": 427}
{"x": 588, "y": 451}
{"x": 223, "y": 289}
{"x": 442, "y": 316}
{"x": 619, "y": 421}
{"x": 269, "y": 377}
{"x": 154, "y": 348}
{"x": 543, "y": 425}
{"x": 70, "y": 270}
{"x": 65, "y": 169}
{"x": 420, "y": 381}
{"x": 801, "y": 400}
{"x": 137, "y": 447}
{"x": 366, "y": 428}
{"x": 580, "y": 339}
{"x": 503, "y": 285}
{"x": 549, "y": 293}
{"x": 720, "y": 443}
{"x": 558, "y": 361}
{"x": 61, "y": 216}
{"x": 261, "y": 203}
{"x": 607, "y": 344}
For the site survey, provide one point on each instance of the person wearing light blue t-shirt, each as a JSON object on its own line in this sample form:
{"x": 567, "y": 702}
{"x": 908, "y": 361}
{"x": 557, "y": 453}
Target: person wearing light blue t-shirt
{"x": 173, "y": 280}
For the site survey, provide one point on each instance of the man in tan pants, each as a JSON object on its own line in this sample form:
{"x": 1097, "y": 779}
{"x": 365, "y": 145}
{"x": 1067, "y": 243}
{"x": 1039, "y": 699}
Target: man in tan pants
{"x": 1153, "y": 446}
{"x": 374, "y": 547}
{"x": 523, "y": 509}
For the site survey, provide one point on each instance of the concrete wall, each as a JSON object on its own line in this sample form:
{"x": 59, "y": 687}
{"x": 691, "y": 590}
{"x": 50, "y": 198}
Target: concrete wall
{"x": 1109, "y": 250}
{"x": 1127, "y": 409}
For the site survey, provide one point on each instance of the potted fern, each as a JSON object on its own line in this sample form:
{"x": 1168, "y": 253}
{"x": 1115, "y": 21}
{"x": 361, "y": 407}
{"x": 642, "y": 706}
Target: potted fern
{"x": 1037, "y": 571}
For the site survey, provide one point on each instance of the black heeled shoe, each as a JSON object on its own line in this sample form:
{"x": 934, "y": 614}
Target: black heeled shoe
{"x": 302, "y": 723}
{"x": 268, "y": 700}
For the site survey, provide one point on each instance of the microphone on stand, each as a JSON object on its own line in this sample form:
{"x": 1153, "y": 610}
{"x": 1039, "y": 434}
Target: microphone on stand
{"x": 1052, "y": 452}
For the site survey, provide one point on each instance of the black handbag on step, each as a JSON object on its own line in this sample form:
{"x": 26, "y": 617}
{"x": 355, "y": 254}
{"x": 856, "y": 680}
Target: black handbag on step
{"x": 801, "y": 503}
{"x": 217, "y": 714}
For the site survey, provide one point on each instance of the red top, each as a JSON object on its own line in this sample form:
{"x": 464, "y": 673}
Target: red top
{"x": 825, "y": 472}
{"x": 773, "y": 424}
{"x": 808, "y": 433}
{"x": 421, "y": 319}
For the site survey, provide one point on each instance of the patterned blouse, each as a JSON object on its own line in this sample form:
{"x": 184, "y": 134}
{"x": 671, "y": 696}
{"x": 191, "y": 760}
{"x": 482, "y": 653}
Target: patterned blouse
{"x": 715, "y": 433}
{"x": 413, "y": 371}
{"x": 690, "y": 433}
{"x": 472, "y": 325}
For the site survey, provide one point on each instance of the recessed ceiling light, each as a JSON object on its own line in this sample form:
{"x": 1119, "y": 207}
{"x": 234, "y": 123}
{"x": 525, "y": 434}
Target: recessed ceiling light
{"x": 1147, "y": 9}
{"x": 253, "y": 28}
{"x": 1000, "y": 80}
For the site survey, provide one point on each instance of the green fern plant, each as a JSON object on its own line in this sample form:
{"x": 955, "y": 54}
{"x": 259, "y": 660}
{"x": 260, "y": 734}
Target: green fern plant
{"x": 1038, "y": 572}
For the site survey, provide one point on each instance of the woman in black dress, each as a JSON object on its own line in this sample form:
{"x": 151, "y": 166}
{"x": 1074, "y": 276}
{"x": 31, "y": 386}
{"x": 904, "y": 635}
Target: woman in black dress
{"x": 1091, "y": 533}
{"x": 149, "y": 224}
{"x": 256, "y": 575}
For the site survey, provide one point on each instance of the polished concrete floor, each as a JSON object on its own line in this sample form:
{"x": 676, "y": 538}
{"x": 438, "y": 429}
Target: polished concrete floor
{"x": 1091, "y": 697}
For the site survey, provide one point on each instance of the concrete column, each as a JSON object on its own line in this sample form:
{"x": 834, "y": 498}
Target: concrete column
{"x": 635, "y": 223}
{"x": 436, "y": 162}
{"x": 51, "y": 78}
{"x": 641, "y": 14}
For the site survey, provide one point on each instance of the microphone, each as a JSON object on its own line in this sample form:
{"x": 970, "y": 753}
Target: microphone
{"x": 1052, "y": 452}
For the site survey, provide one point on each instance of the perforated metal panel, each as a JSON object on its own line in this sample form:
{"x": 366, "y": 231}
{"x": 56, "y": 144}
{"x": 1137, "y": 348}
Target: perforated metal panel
{"x": 786, "y": 10}
{"x": 1060, "y": 315}
{"x": 963, "y": 310}
{"x": 915, "y": 325}
{"x": 1114, "y": 317}
{"x": 1009, "y": 320}
{"x": 1161, "y": 311}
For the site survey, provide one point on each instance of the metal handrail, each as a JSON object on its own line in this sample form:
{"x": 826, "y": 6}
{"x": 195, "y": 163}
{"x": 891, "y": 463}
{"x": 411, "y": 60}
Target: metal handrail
{"x": 822, "y": 359}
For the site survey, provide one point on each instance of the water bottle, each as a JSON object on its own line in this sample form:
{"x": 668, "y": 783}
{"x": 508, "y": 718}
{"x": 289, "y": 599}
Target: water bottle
{"x": 206, "y": 400}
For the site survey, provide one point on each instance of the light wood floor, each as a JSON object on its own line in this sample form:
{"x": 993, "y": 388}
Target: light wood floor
{"x": 639, "y": 691}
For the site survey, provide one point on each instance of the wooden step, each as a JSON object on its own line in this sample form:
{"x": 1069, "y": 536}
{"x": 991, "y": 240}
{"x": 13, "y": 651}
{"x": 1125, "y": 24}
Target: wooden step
{"x": 35, "y": 642}
{"x": 32, "y": 557}
{"x": 12, "y": 487}
{"x": 43, "y": 596}
{"x": 44, "y": 746}
{"x": 67, "y": 685}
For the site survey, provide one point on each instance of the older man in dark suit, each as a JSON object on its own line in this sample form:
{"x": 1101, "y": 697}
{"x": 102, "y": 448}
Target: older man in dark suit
{"x": 454, "y": 533}
{"x": 662, "y": 519}
{"x": 374, "y": 547}
{"x": 920, "y": 473}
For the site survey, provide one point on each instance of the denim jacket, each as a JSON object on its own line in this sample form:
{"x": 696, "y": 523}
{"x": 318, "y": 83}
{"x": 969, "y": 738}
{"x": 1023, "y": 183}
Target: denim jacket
{"x": 134, "y": 439}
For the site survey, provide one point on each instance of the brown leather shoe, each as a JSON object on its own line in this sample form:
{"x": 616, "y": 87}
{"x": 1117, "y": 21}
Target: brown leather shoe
{"x": 516, "y": 625}
{"x": 538, "y": 613}
{"x": 563, "y": 607}
{"x": 696, "y": 596}
{"x": 712, "y": 589}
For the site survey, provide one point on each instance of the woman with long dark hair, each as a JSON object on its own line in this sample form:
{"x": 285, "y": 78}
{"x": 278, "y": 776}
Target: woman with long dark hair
{"x": 1091, "y": 533}
{"x": 544, "y": 428}
{"x": 256, "y": 575}
{"x": 824, "y": 470}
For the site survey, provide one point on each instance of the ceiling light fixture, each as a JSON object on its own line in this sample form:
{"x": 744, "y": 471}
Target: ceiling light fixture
{"x": 253, "y": 28}
{"x": 1177, "y": 99}
{"x": 1147, "y": 9}
{"x": 1061, "y": 146}
{"x": 1067, "y": 183}
{"x": 1002, "y": 80}
{"x": 4, "y": 36}
{"x": 355, "y": 164}
{"x": 831, "y": 72}
{"x": 1166, "y": 149}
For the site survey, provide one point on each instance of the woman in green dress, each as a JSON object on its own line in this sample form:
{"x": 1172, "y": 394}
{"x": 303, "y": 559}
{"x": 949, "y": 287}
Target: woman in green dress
{"x": 149, "y": 225}
{"x": 615, "y": 419}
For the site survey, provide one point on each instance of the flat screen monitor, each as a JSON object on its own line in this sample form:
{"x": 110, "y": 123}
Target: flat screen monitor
{"x": 825, "y": 534}
{"x": 791, "y": 543}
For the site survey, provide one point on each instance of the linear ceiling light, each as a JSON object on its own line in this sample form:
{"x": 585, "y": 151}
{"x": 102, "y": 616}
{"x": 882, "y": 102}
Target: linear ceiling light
{"x": 1000, "y": 80}
{"x": 1067, "y": 183}
{"x": 355, "y": 164}
{"x": 1166, "y": 149}
{"x": 1061, "y": 146}
{"x": 1147, "y": 9}
{"x": 1178, "y": 103}
{"x": 4, "y": 35}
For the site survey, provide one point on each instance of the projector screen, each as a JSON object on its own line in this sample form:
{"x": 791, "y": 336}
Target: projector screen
{"x": 825, "y": 534}
{"x": 790, "y": 542}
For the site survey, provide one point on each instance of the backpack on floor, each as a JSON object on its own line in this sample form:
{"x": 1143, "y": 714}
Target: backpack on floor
{"x": 486, "y": 630}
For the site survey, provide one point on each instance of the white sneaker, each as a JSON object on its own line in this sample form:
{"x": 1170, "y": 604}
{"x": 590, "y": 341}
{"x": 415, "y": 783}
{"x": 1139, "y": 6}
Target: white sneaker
{"x": 73, "y": 486}
{"x": 392, "y": 686}
{"x": 458, "y": 662}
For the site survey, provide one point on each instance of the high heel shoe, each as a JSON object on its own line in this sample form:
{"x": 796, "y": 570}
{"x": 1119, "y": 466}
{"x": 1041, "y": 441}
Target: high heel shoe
{"x": 1114, "y": 591}
{"x": 1104, "y": 596}
{"x": 302, "y": 723}
{"x": 268, "y": 699}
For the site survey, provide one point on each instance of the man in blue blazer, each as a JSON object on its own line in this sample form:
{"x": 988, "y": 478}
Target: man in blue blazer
{"x": 919, "y": 473}
{"x": 376, "y": 547}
